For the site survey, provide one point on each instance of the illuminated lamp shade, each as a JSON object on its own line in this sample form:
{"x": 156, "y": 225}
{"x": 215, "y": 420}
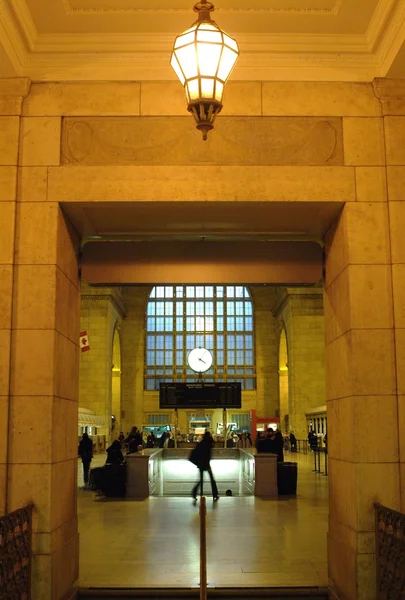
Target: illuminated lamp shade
{"x": 203, "y": 58}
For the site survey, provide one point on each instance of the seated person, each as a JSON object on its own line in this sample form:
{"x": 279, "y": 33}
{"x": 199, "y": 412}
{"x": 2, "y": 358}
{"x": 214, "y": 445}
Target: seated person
{"x": 114, "y": 454}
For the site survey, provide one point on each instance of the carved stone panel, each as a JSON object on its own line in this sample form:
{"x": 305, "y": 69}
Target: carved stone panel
{"x": 175, "y": 141}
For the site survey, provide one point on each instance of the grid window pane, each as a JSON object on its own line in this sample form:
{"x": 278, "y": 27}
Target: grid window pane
{"x": 230, "y": 323}
{"x": 239, "y": 323}
{"x": 180, "y": 318}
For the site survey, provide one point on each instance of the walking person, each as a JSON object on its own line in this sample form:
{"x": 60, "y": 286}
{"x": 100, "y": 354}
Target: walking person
{"x": 86, "y": 454}
{"x": 201, "y": 457}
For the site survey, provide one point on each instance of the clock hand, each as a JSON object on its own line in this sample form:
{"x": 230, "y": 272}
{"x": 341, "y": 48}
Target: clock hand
{"x": 203, "y": 361}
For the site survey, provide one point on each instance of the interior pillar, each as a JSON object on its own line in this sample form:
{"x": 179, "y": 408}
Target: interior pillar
{"x": 267, "y": 388}
{"x": 101, "y": 308}
{"x": 12, "y": 92}
{"x": 362, "y": 402}
{"x": 44, "y": 358}
{"x": 301, "y": 310}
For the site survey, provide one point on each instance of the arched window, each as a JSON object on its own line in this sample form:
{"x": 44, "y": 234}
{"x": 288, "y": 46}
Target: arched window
{"x": 182, "y": 317}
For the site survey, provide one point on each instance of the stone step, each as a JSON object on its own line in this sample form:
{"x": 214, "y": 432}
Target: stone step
{"x": 305, "y": 593}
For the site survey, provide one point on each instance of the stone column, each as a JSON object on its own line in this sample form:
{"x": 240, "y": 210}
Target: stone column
{"x": 12, "y": 92}
{"x": 134, "y": 400}
{"x": 42, "y": 442}
{"x": 301, "y": 310}
{"x": 362, "y": 397}
{"x": 392, "y": 94}
{"x": 267, "y": 387}
{"x": 100, "y": 310}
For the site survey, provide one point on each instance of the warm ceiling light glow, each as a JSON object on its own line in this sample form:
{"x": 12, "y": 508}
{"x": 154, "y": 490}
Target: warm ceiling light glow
{"x": 203, "y": 58}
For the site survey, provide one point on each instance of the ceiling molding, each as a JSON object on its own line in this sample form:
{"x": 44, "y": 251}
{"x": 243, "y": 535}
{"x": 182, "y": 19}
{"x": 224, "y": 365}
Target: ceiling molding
{"x": 393, "y": 38}
{"x": 248, "y": 43}
{"x": 11, "y": 38}
{"x": 25, "y": 23}
{"x": 236, "y": 9}
{"x": 267, "y": 57}
{"x": 251, "y": 67}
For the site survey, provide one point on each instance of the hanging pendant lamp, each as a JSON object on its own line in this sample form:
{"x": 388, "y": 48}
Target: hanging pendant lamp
{"x": 203, "y": 58}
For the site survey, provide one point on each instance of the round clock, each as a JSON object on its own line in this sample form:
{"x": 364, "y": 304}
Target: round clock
{"x": 199, "y": 360}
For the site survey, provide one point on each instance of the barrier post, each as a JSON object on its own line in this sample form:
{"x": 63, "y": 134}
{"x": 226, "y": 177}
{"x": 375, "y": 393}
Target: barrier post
{"x": 203, "y": 549}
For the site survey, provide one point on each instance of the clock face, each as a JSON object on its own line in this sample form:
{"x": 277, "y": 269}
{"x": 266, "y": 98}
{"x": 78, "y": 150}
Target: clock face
{"x": 200, "y": 360}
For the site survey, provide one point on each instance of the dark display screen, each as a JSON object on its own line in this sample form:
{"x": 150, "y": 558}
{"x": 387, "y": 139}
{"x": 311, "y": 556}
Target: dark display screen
{"x": 200, "y": 395}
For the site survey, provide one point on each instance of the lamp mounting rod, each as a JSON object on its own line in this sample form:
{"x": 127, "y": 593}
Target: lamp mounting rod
{"x": 203, "y": 9}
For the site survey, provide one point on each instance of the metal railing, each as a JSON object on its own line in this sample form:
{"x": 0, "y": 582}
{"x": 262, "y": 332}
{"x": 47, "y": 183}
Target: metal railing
{"x": 302, "y": 446}
{"x": 15, "y": 554}
{"x": 390, "y": 553}
{"x": 320, "y": 464}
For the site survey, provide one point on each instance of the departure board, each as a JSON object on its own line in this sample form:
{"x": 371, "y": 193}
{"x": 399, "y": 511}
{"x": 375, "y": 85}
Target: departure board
{"x": 200, "y": 395}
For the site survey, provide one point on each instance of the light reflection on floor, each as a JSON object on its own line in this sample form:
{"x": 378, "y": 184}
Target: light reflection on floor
{"x": 154, "y": 542}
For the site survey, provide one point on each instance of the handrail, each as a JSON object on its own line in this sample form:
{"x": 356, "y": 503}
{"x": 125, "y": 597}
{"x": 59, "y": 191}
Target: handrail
{"x": 15, "y": 554}
{"x": 390, "y": 552}
{"x": 203, "y": 549}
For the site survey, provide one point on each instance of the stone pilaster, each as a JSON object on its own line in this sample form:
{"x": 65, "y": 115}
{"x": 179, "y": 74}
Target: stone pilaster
{"x": 301, "y": 311}
{"x": 42, "y": 415}
{"x": 135, "y": 402}
{"x": 364, "y": 325}
{"x": 267, "y": 388}
{"x": 101, "y": 309}
{"x": 12, "y": 93}
{"x": 392, "y": 96}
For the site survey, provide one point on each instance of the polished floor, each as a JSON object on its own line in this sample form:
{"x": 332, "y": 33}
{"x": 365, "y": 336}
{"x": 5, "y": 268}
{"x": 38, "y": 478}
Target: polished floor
{"x": 250, "y": 541}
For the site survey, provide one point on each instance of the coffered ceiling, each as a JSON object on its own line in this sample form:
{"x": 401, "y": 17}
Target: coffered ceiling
{"x": 354, "y": 40}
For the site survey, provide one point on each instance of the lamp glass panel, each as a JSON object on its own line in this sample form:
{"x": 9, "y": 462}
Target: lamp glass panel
{"x": 184, "y": 38}
{"x": 207, "y": 87}
{"x": 192, "y": 28}
{"x": 209, "y": 36}
{"x": 188, "y": 60}
{"x": 208, "y": 58}
{"x": 219, "y": 91}
{"x": 175, "y": 64}
{"x": 193, "y": 90}
{"x": 228, "y": 59}
{"x": 208, "y": 25}
{"x": 230, "y": 42}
